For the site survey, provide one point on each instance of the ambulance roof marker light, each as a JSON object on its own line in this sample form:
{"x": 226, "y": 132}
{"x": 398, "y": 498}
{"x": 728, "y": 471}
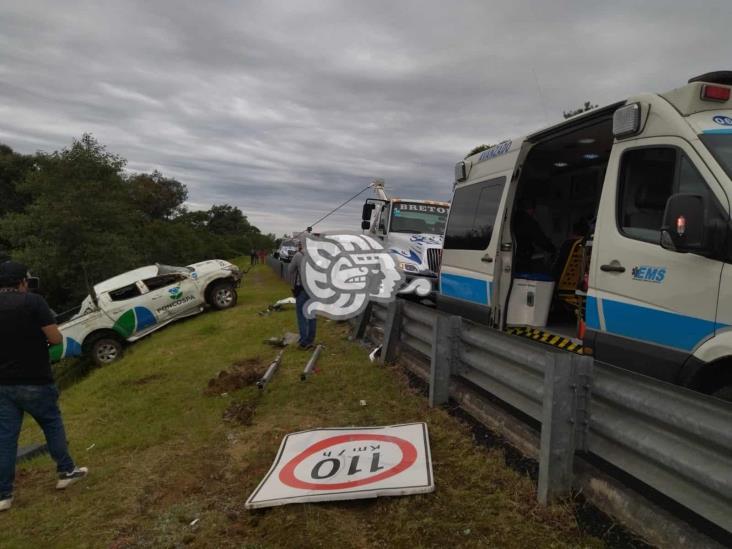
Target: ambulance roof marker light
{"x": 626, "y": 120}
{"x": 710, "y": 92}
{"x": 460, "y": 172}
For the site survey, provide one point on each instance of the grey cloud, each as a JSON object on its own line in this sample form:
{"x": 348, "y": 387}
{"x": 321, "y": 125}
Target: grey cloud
{"x": 286, "y": 109}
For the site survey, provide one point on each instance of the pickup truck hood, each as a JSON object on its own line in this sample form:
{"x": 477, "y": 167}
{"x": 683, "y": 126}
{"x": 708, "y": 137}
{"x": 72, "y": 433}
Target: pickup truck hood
{"x": 212, "y": 265}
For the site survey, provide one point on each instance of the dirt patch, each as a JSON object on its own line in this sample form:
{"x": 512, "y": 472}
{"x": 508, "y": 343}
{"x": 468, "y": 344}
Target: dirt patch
{"x": 240, "y": 412}
{"x": 144, "y": 380}
{"x": 239, "y": 375}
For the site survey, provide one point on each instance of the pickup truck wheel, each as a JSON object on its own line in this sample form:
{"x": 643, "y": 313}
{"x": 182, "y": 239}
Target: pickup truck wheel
{"x": 106, "y": 350}
{"x": 223, "y": 296}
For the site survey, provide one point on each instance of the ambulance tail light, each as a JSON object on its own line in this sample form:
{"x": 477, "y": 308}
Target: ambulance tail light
{"x": 715, "y": 93}
{"x": 626, "y": 120}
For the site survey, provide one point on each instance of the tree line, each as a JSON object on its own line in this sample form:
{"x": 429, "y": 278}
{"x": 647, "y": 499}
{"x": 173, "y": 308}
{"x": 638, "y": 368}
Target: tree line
{"x": 76, "y": 216}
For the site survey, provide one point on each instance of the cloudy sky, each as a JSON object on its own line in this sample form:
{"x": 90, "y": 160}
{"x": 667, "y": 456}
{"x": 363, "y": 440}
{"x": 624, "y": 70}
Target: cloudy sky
{"x": 286, "y": 109}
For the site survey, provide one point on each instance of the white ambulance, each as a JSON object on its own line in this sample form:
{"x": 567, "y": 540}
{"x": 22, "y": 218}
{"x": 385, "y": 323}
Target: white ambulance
{"x": 608, "y": 234}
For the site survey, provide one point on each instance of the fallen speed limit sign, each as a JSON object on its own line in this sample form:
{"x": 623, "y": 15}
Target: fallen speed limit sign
{"x": 348, "y": 463}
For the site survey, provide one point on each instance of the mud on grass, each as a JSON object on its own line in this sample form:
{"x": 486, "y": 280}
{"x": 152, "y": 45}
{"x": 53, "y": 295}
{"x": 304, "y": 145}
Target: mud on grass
{"x": 240, "y": 374}
{"x": 240, "y": 412}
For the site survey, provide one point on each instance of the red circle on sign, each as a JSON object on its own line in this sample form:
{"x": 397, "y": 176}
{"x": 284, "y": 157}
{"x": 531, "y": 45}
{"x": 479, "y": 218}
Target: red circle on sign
{"x": 287, "y": 474}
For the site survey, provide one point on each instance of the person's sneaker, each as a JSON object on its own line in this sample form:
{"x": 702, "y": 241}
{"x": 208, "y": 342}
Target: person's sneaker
{"x": 6, "y": 503}
{"x": 67, "y": 479}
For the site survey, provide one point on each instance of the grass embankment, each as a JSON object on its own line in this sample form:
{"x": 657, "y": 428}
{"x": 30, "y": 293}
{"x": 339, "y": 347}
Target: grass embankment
{"x": 161, "y": 453}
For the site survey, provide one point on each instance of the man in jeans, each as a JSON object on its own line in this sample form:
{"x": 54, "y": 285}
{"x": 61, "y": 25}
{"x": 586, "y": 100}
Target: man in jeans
{"x": 26, "y": 383}
{"x": 305, "y": 325}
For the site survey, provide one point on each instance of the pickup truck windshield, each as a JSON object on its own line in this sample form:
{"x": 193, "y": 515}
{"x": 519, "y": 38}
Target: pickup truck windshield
{"x": 413, "y": 217}
{"x": 720, "y": 146}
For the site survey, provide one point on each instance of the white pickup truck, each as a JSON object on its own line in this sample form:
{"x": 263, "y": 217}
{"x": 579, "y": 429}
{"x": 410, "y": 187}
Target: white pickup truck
{"x": 133, "y": 304}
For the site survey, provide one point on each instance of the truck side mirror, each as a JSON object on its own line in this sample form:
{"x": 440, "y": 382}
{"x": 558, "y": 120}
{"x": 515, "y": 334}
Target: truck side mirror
{"x": 366, "y": 212}
{"x": 684, "y": 228}
{"x": 365, "y": 225}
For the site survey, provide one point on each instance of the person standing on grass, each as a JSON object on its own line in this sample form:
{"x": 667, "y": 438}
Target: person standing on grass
{"x": 26, "y": 382}
{"x": 306, "y": 326}
{"x": 253, "y": 257}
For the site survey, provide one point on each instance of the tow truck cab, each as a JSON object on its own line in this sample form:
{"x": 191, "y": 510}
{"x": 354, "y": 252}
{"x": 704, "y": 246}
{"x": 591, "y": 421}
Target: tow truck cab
{"x": 411, "y": 230}
{"x": 608, "y": 234}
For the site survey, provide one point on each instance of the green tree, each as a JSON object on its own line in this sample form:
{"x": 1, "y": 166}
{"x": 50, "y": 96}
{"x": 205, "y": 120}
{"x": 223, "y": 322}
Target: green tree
{"x": 156, "y": 196}
{"x": 226, "y": 219}
{"x": 80, "y": 224}
{"x": 13, "y": 169}
{"x": 476, "y": 150}
{"x": 588, "y": 106}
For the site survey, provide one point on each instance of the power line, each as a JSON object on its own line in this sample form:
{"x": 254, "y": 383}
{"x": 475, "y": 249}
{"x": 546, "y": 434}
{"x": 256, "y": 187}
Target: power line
{"x": 366, "y": 188}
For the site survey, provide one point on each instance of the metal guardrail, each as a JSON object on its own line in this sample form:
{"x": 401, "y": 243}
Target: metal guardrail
{"x": 677, "y": 441}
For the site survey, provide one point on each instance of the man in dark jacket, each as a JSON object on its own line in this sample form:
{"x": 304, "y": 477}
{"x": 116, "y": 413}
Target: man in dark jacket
{"x": 26, "y": 383}
{"x": 306, "y": 326}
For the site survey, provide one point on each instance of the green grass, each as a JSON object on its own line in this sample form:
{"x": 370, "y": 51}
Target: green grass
{"x": 161, "y": 455}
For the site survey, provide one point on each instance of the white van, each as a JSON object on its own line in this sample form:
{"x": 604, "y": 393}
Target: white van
{"x": 608, "y": 234}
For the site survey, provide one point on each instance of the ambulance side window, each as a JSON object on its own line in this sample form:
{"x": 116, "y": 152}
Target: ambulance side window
{"x": 648, "y": 177}
{"x": 473, "y": 214}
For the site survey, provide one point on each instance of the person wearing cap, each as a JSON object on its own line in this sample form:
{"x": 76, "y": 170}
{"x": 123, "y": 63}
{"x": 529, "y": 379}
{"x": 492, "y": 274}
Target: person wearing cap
{"x": 27, "y": 326}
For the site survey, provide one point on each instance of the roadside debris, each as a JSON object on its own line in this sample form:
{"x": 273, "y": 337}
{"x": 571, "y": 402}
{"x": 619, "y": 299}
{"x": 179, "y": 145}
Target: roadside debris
{"x": 239, "y": 375}
{"x": 375, "y": 354}
{"x": 91, "y": 447}
{"x": 277, "y": 306}
{"x": 311, "y": 363}
{"x": 348, "y": 463}
{"x": 240, "y": 412}
{"x": 267, "y": 377}
{"x": 287, "y": 339}
{"x": 362, "y": 402}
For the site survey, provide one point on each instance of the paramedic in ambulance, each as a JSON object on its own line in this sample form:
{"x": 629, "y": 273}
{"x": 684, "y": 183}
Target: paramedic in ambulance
{"x": 529, "y": 236}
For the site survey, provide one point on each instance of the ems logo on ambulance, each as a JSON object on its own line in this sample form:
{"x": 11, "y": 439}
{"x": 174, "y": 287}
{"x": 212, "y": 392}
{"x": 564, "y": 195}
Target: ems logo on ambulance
{"x": 349, "y": 463}
{"x": 649, "y": 273}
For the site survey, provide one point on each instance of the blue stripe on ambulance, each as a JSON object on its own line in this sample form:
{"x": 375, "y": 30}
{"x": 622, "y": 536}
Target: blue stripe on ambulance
{"x": 652, "y": 325}
{"x": 592, "y": 316}
{"x": 464, "y": 287}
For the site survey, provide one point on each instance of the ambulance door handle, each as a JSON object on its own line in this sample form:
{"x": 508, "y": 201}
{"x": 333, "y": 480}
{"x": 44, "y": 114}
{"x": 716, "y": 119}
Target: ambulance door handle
{"x": 487, "y": 258}
{"x": 613, "y": 267}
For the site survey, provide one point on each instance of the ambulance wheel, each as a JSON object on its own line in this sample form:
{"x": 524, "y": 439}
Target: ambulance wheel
{"x": 222, "y": 295}
{"x": 106, "y": 350}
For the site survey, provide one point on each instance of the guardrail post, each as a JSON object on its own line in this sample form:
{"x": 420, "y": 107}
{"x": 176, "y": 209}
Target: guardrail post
{"x": 445, "y": 357}
{"x": 392, "y": 326}
{"x": 363, "y": 322}
{"x": 564, "y": 421}
{"x": 557, "y": 432}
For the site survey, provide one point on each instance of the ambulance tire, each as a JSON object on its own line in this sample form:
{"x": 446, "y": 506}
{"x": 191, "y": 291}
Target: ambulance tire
{"x": 105, "y": 350}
